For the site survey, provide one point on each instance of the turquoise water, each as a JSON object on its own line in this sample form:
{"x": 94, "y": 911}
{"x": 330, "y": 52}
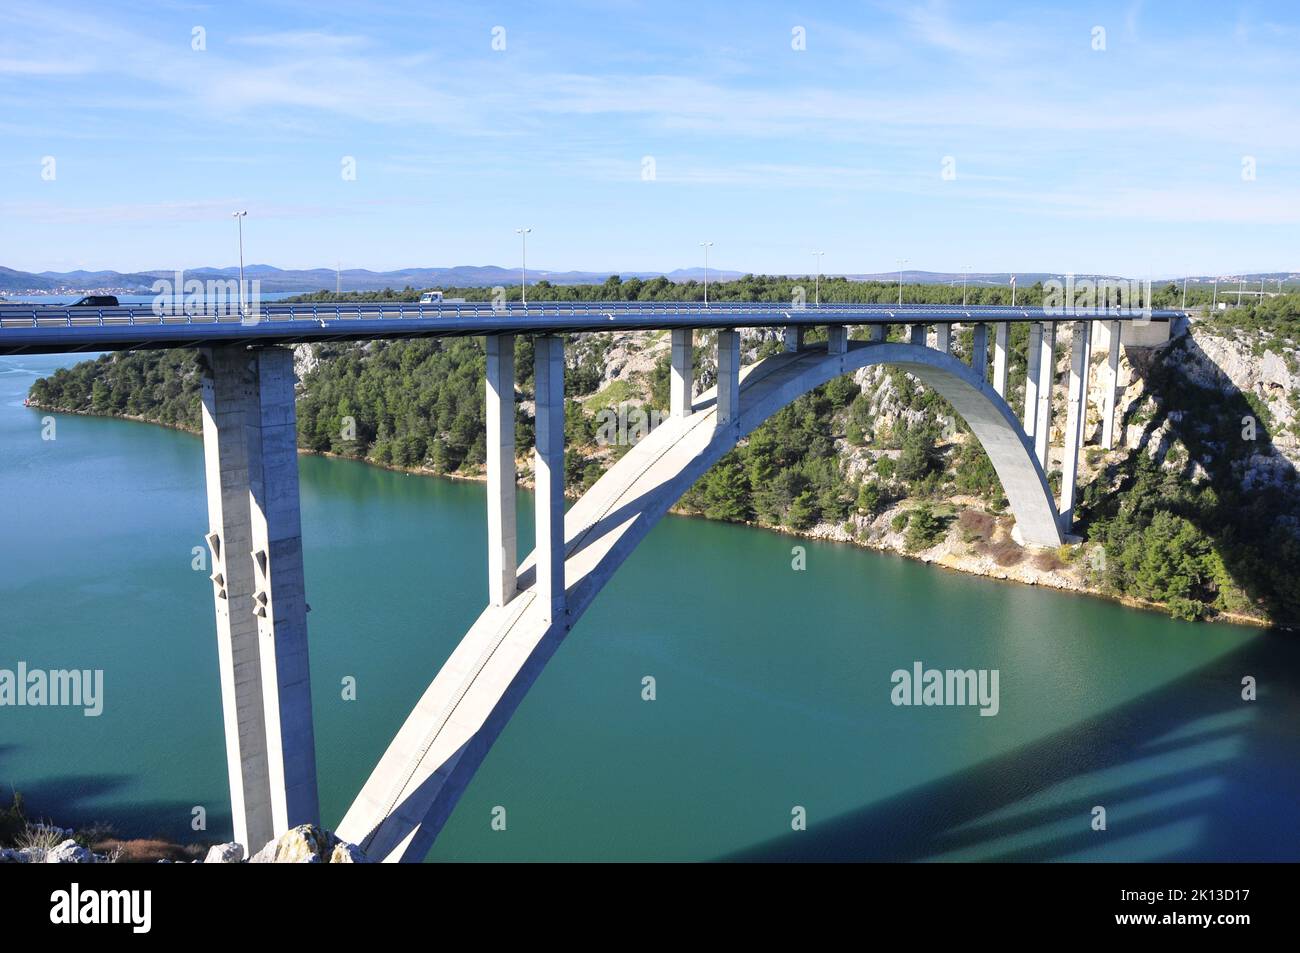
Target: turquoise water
{"x": 773, "y": 686}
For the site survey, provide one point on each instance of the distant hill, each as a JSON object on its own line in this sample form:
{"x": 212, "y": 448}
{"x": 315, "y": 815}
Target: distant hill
{"x": 486, "y": 276}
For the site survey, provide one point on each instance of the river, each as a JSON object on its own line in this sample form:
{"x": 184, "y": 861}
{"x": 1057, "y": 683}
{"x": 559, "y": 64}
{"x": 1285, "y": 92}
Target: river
{"x": 772, "y": 686}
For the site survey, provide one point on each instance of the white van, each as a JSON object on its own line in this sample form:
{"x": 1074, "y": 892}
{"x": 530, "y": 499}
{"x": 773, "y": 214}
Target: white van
{"x": 431, "y": 297}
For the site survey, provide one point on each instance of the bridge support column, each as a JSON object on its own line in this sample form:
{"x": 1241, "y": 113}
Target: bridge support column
{"x": 251, "y": 460}
{"x": 793, "y": 338}
{"x": 1001, "y": 335}
{"x": 878, "y": 333}
{"x": 943, "y": 338}
{"x": 683, "y": 371}
{"x": 837, "y": 339}
{"x": 1074, "y": 421}
{"x": 1032, "y": 357}
{"x": 916, "y": 334}
{"x": 1112, "y": 385}
{"x": 1046, "y": 377}
{"x": 548, "y": 376}
{"x": 503, "y": 552}
{"x": 979, "y": 352}
{"x": 728, "y": 378}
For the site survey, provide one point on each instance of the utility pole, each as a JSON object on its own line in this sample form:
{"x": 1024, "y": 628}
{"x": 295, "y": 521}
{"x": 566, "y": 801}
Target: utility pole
{"x": 706, "y": 246}
{"x": 239, "y": 218}
{"x": 523, "y": 263}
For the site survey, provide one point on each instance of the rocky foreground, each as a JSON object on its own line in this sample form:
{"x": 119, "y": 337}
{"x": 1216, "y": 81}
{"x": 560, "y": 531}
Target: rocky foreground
{"x": 305, "y": 844}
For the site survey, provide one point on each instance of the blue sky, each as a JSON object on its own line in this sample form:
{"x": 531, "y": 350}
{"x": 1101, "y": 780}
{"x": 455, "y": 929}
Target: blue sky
{"x": 1126, "y": 160}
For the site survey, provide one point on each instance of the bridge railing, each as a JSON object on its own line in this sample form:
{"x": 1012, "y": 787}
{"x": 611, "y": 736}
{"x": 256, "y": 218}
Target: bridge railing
{"x": 59, "y": 316}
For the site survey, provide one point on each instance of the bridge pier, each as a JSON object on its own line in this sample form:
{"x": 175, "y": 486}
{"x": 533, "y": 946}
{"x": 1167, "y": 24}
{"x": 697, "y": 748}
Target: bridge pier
{"x": 837, "y": 339}
{"x": 1112, "y": 385}
{"x": 943, "y": 338}
{"x": 877, "y": 333}
{"x": 1001, "y": 335}
{"x": 548, "y": 476}
{"x": 1076, "y": 414}
{"x": 255, "y": 535}
{"x": 728, "y": 407}
{"x": 1046, "y": 378}
{"x": 979, "y": 359}
{"x": 503, "y": 549}
{"x": 1033, "y": 354}
{"x": 916, "y": 334}
{"x": 683, "y": 371}
{"x": 792, "y": 337}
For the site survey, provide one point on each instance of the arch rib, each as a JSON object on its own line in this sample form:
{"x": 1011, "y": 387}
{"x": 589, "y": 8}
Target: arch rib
{"x": 418, "y": 781}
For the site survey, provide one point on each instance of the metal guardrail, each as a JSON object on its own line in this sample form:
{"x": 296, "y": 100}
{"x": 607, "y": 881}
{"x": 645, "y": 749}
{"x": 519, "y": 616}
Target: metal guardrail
{"x": 59, "y": 316}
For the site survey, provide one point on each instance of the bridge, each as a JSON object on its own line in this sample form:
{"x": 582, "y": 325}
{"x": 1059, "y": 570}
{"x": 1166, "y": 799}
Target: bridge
{"x": 255, "y": 534}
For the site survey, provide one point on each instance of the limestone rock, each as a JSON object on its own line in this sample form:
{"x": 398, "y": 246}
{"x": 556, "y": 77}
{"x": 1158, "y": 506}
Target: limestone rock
{"x": 231, "y": 853}
{"x": 69, "y": 852}
{"x": 307, "y": 844}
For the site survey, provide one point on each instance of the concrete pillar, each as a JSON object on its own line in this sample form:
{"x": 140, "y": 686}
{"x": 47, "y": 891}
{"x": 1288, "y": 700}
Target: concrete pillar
{"x": 280, "y": 594}
{"x": 1001, "y": 366}
{"x": 227, "y": 394}
{"x": 503, "y": 550}
{"x": 793, "y": 338}
{"x": 1074, "y": 421}
{"x": 1112, "y": 385}
{"x": 548, "y": 376}
{"x": 1046, "y": 376}
{"x": 683, "y": 371}
{"x": 837, "y": 339}
{"x": 916, "y": 334}
{"x": 251, "y": 450}
{"x": 1032, "y": 355}
{"x": 979, "y": 355}
{"x": 728, "y": 377}
{"x": 876, "y": 333}
{"x": 943, "y": 338}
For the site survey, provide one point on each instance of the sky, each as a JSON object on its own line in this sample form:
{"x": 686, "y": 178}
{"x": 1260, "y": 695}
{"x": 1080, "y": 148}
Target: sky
{"x": 1135, "y": 138}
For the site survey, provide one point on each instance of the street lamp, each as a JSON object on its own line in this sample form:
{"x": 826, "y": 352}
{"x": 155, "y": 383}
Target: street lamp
{"x": 239, "y": 218}
{"x": 964, "y": 275}
{"x": 1214, "y": 305}
{"x": 1184, "y": 292}
{"x": 817, "y": 286}
{"x": 706, "y": 246}
{"x": 901, "y": 263}
{"x": 523, "y": 263}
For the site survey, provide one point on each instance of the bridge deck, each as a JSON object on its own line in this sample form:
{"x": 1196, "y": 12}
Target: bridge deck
{"x": 51, "y": 329}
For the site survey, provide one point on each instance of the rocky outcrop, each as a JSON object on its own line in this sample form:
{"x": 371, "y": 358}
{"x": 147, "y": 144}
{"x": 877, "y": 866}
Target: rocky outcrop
{"x": 308, "y": 844}
{"x": 231, "y": 853}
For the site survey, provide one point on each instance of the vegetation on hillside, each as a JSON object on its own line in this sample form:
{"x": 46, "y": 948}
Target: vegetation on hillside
{"x": 1197, "y": 547}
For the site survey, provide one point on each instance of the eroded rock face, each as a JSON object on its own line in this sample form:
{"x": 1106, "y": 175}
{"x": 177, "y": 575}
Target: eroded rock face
{"x": 306, "y": 844}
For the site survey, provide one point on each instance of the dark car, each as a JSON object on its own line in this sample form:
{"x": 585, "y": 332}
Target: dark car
{"x": 95, "y": 301}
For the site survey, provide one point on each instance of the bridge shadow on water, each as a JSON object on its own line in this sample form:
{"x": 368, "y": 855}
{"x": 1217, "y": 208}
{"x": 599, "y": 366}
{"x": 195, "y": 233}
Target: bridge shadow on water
{"x": 1202, "y": 784}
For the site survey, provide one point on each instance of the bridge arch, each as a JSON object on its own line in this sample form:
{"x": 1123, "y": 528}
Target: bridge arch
{"x": 420, "y": 778}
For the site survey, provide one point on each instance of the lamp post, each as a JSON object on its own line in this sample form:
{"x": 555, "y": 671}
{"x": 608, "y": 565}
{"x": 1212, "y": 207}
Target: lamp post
{"x": 1214, "y": 305}
{"x": 706, "y": 246}
{"x": 1184, "y": 292}
{"x": 901, "y": 263}
{"x": 964, "y": 275}
{"x": 523, "y": 263}
{"x": 817, "y": 282}
{"x": 239, "y": 219}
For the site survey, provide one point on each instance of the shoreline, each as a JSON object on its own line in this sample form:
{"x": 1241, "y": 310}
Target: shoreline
{"x": 950, "y": 562}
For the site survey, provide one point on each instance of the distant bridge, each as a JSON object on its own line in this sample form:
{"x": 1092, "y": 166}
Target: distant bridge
{"x": 250, "y": 450}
